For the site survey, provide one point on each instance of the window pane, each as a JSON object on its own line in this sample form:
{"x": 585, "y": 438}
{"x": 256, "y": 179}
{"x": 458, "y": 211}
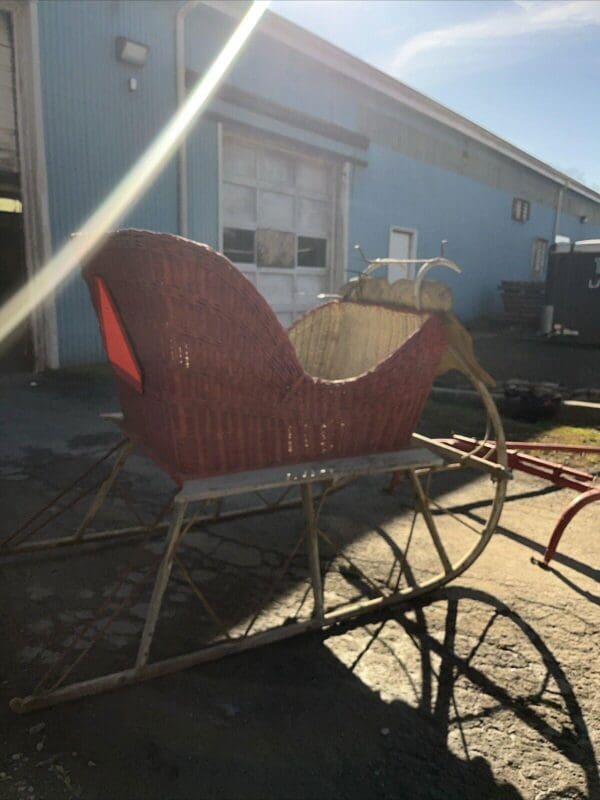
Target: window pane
{"x": 239, "y": 161}
{"x": 313, "y": 217}
{"x": 239, "y": 206}
{"x": 312, "y": 252}
{"x": 275, "y": 211}
{"x": 238, "y": 245}
{"x": 275, "y": 248}
{"x": 275, "y": 168}
{"x": 313, "y": 178}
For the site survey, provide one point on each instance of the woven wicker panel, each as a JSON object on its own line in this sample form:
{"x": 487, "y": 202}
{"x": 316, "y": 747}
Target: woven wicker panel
{"x": 343, "y": 340}
{"x": 223, "y": 388}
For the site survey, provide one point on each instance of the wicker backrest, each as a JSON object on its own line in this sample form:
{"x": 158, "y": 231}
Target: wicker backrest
{"x": 187, "y": 310}
{"x": 342, "y": 340}
{"x": 198, "y": 329}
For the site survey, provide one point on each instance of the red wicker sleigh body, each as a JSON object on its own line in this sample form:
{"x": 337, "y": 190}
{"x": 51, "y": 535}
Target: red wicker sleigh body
{"x": 209, "y": 382}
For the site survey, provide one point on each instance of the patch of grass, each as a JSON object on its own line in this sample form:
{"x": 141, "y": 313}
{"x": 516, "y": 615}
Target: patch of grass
{"x": 442, "y": 418}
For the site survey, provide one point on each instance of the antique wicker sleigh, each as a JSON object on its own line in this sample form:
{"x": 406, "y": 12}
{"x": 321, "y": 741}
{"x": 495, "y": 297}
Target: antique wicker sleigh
{"x": 227, "y": 402}
{"x": 210, "y": 383}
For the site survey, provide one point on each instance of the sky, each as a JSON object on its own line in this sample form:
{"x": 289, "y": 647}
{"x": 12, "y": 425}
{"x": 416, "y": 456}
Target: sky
{"x": 528, "y": 70}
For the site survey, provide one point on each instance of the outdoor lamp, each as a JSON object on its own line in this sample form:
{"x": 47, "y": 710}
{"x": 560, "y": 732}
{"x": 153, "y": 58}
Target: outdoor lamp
{"x": 131, "y": 52}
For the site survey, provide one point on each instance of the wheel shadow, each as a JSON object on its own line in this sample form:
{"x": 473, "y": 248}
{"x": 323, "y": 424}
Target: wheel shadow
{"x": 315, "y": 724}
{"x": 451, "y": 655}
{"x": 290, "y": 722}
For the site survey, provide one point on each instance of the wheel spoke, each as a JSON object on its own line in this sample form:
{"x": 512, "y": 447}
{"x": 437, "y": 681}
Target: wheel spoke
{"x": 429, "y": 521}
{"x": 402, "y": 563}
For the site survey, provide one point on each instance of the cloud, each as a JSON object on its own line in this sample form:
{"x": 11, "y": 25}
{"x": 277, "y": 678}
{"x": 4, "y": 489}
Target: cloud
{"x": 469, "y": 41}
{"x": 320, "y": 16}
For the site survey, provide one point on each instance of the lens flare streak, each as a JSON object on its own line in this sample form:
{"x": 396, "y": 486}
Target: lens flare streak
{"x": 131, "y": 188}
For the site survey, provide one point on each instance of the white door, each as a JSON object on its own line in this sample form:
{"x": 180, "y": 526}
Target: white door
{"x": 402, "y": 245}
{"x": 8, "y": 120}
{"x": 277, "y": 220}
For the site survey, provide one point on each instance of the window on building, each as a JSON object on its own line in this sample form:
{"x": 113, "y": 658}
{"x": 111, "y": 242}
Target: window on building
{"x": 520, "y": 209}
{"x": 539, "y": 255}
{"x": 278, "y": 217}
{"x": 275, "y": 249}
{"x": 312, "y": 252}
{"x": 238, "y": 245}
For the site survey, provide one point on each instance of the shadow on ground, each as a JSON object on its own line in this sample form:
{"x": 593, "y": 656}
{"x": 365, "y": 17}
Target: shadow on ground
{"x": 456, "y": 697}
{"x": 315, "y": 718}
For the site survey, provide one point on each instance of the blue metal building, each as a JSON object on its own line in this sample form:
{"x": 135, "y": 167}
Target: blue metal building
{"x": 304, "y": 151}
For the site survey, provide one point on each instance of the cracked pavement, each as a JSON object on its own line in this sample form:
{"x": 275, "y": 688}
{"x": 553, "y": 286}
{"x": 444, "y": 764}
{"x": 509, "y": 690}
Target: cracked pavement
{"x": 486, "y": 689}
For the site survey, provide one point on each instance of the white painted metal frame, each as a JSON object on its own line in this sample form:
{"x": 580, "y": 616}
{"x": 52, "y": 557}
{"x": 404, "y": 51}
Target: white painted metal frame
{"x": 425, "y": 455}
{"x": 304, "y": 476}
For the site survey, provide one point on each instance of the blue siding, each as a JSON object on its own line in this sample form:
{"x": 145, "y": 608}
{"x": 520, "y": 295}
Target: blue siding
{"x": 272, "y": 70}
{"x": 573, "y": 228}
{"x": 96, "y": 128}
{"x": 203, "y": 183}
{"x": 473, "y": 217}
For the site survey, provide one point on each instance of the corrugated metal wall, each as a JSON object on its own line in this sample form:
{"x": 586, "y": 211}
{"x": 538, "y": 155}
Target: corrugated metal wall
{"x": 439, "y": 204}
{"x": 408, "y": 132}
{"x": 419, "y": 174}
{"x": 96, "y": 128}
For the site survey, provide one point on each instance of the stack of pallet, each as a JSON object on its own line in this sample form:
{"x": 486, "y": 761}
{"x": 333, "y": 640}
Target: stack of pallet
{"x": 523, "y": 301}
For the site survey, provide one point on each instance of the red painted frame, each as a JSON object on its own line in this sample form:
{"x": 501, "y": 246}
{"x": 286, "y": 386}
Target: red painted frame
{"x": 558, "y": 474}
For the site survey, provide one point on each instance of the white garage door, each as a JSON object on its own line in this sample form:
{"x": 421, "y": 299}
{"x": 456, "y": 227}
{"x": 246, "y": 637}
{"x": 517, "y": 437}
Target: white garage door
{"x": 8, "y": 124}
{"x": 278, "y": 222}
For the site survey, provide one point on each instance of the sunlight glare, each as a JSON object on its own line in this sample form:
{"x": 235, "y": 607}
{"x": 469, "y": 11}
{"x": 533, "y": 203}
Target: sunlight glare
{"x": 130, "y": 189}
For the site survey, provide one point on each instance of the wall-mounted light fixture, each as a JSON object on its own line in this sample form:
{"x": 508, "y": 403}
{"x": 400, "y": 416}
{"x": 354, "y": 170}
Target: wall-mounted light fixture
{"x": 131, "y": 52}
{"x": 583, "y": 219}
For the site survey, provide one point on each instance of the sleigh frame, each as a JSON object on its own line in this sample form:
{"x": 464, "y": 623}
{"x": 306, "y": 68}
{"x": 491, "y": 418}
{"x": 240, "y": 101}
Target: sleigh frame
{"x": 307, "y": 484}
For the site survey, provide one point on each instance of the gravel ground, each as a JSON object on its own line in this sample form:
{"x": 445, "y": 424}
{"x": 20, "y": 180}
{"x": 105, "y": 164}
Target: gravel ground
{"x": 486, "y": 689}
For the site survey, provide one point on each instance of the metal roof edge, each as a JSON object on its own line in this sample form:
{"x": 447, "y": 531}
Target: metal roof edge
{"x": 339, "y": 60}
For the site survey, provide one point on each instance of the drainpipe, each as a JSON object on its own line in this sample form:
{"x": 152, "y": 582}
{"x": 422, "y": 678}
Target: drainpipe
{"x": 559, "y": 202}
{"x": 547, "y": 317}
{"x": 182, "y": 174}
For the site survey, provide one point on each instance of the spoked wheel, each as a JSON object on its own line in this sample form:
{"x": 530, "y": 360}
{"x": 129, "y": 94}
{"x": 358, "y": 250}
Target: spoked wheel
{"x": 447, "y": 515}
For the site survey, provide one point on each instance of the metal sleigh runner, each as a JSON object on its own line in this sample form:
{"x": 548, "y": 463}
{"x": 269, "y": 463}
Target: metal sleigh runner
{"x": 230, "y": 405}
